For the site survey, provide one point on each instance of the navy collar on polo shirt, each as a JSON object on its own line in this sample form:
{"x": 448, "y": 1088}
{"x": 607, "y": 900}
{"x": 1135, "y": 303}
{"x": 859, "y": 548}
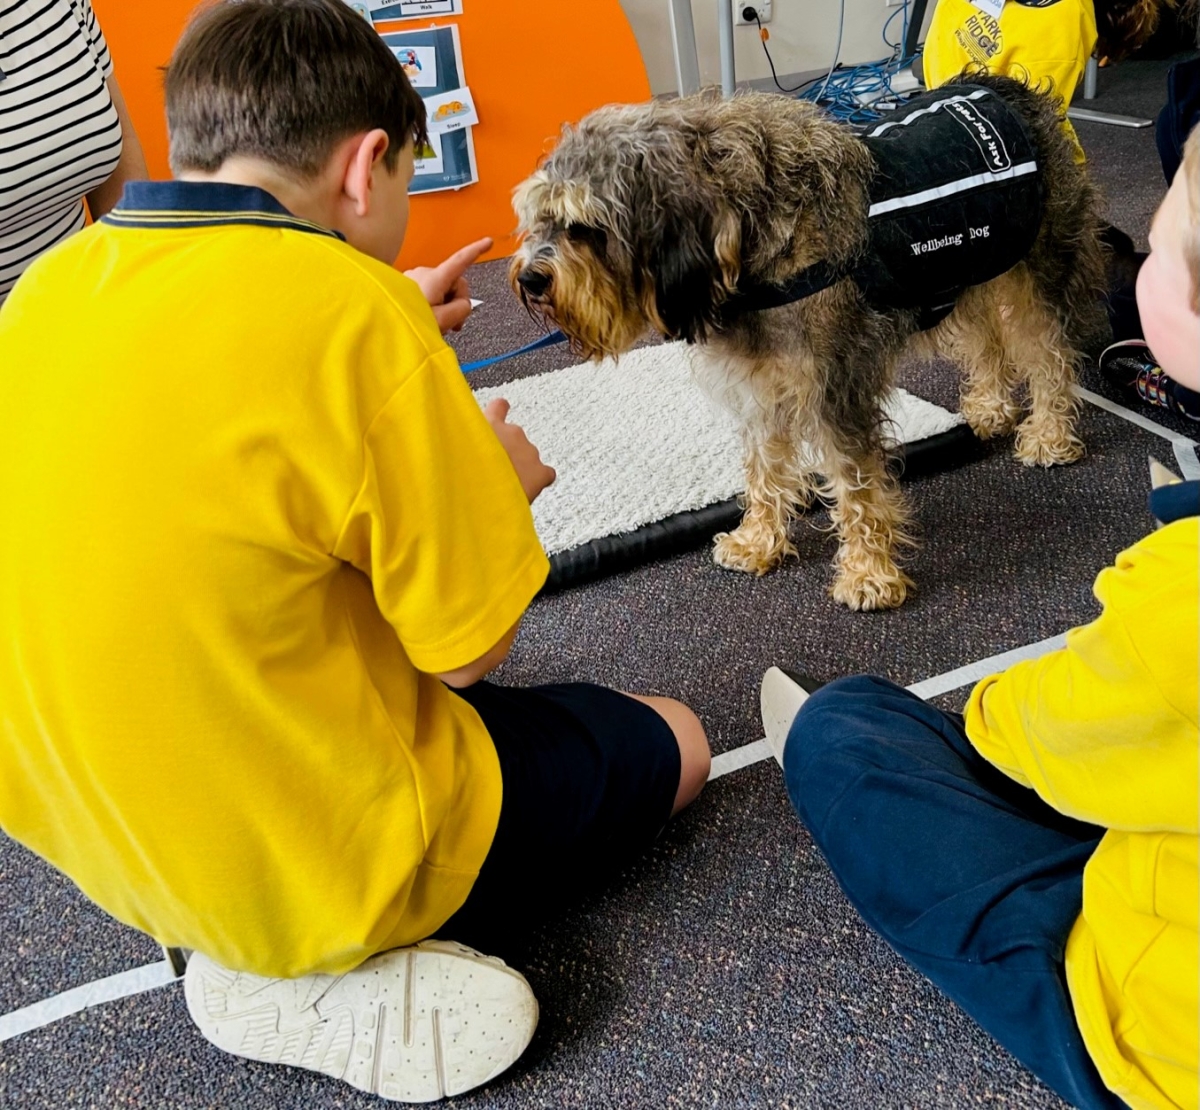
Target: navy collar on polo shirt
{"x": 165, "y": 204}
{"x": 1175, "y": 502}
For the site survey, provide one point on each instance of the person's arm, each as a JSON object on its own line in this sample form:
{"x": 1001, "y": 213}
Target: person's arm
{"x": 1105, "y": 730}
{"x": 441, "y": 523}
{"x": 534, "y": 476}
{"x": 131, "y": 167}
{"x": 484, "y": 665}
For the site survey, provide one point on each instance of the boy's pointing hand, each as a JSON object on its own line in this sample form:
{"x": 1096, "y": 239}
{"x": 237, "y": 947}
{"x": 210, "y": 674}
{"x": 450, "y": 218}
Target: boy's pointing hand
{"x": 445, "y": 286}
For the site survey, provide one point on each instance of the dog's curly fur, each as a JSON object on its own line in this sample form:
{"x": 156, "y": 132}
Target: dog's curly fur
{"x": 1124, "y": 26}
{"x": 647, "y": 216}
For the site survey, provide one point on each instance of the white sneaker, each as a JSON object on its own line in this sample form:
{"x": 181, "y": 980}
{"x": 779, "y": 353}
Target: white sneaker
{"x": 779, "y": 699}
{"x": 410, "y": 1025}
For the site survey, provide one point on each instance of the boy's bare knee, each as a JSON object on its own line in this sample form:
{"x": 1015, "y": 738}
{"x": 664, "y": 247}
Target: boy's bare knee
{"x": 695, "y": 759}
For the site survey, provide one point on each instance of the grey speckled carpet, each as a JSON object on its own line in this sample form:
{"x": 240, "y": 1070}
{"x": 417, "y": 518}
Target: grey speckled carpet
{"x": 725, "y": 969}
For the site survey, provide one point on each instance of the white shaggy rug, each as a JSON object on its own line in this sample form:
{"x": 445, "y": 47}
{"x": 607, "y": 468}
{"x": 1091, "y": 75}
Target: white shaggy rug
{"x": 636, "y": 441}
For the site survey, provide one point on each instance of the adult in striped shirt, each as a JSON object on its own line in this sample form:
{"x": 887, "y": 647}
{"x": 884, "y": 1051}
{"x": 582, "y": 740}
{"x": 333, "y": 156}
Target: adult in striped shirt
{"x": 65, "y": 134}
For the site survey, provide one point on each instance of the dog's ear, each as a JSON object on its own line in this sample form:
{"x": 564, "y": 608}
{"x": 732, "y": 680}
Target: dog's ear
{"x": 695, "y": 264}
{"x": 528, "y": 200}
{"x": 684, "y": 268}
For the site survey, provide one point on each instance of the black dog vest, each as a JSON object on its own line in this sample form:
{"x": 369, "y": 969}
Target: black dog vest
{"x": 956, "y": 200}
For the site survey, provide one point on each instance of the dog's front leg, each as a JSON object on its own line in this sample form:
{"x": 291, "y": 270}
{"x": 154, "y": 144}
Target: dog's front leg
{"x": 871, "y": 520}
{"x": 761, "y": 542}
{"x": 761, "y": 397}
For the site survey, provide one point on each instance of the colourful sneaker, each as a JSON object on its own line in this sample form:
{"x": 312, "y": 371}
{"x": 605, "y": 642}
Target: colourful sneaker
{"x": 411, "y": 1025}
{"x": 1131, "y": 364}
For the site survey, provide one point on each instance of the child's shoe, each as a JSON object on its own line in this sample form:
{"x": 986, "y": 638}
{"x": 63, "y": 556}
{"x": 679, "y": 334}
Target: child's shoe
{"x": 780, "y": 697}
{"x": 1130, "y": 364}
{"x": 411, "y": 1025}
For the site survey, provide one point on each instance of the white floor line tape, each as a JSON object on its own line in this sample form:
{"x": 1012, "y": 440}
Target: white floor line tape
{"x": 1186, "y": 457}
{"x": 756, "y": 751}
{"x": 121, "y": 985}
{"x": 1183, "y": 447}
{"x": 738, "y": 758}
{"x": 973, "y": 672}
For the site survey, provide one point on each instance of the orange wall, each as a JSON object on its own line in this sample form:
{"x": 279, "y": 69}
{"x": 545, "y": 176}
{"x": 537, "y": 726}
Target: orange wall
{"x": 531, "y": 65}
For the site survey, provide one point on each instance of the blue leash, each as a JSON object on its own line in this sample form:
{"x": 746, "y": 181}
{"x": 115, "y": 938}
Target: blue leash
{"x": 545, "y": 341}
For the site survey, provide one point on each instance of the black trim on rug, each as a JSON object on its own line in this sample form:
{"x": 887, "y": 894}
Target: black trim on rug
{"x": 688, "y": 530}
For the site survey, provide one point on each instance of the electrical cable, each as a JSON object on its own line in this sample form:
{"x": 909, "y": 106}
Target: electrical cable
{"x": 901, "y": 10}
{"x": 837, "y": 51}
{"x": 764, "y": 34}
{"x": 853, "y": 94}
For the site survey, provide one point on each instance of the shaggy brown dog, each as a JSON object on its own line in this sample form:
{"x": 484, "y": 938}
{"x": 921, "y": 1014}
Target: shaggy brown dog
{"x": 680, "y": 215}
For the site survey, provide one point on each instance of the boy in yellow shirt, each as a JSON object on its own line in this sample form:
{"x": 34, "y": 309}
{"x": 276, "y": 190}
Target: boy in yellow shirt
{"x": 259, "y": 546}
{"x": 1039, "y": 860}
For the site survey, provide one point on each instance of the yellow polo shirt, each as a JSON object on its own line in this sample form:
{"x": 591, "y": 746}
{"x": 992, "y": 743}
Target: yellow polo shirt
{"x": 250, "y": 507}
{"x": 1106, "y": 731}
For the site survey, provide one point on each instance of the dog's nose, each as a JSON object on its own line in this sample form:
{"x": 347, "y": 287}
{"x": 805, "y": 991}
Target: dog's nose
{"x": 534, "y": 282}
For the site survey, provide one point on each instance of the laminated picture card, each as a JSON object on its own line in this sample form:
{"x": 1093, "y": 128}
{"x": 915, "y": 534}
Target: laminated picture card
{"x": 432, "y": 60}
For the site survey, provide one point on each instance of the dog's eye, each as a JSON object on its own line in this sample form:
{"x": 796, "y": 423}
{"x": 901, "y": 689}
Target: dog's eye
{"x": 582, "y": 233}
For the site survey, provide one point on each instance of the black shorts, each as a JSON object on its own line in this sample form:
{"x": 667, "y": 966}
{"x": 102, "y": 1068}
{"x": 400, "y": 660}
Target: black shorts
{"x": 589, "y": 776}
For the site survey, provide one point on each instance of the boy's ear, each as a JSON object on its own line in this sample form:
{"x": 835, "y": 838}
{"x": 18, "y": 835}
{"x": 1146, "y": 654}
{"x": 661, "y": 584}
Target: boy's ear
{"x": 366, "y": 154}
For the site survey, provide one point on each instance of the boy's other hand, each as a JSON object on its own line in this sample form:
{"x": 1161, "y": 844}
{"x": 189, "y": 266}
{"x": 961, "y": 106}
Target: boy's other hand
{"x": 445, "y": 286}
{"x": 534, "y": 474}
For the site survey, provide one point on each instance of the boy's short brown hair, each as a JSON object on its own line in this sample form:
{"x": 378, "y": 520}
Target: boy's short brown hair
{"x": 284, "y": 81}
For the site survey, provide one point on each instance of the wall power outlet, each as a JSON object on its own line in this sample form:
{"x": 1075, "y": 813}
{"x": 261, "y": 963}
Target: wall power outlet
{"x": 742, "y": 8}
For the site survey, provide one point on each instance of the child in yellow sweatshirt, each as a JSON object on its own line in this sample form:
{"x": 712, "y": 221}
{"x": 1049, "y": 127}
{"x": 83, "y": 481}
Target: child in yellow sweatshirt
{"x": 1038, "y": 860}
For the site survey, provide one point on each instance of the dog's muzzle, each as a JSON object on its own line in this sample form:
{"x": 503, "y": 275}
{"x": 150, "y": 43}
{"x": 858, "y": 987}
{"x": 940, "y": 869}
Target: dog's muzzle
{"x": 535, "y": 283}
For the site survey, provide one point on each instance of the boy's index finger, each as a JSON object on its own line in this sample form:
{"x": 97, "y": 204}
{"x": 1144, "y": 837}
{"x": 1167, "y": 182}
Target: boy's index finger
{"x": 456, "y": 265}
{"x": 496, "y": 409}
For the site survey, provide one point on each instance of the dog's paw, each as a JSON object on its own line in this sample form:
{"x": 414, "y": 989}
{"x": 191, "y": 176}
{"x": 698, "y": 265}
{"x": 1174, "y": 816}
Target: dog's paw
{"x": 990, "y": 418}
{"x": 1047, "y": 444}
{"x": 751, "y": 549}
{"x": 884, "y": 587}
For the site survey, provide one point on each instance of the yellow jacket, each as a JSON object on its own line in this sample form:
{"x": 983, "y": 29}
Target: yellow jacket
{"x": 1105, "y": 731}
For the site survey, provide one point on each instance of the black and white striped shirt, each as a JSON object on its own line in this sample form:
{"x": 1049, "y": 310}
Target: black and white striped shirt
{"x": 60, "y": 135}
